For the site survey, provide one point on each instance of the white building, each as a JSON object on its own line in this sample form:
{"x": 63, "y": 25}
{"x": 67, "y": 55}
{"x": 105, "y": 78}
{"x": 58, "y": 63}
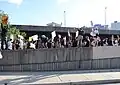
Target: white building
{"x": 115, "y": 25}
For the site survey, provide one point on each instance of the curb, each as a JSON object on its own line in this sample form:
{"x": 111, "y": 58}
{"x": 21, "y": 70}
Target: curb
{"x": 81, "y": 82}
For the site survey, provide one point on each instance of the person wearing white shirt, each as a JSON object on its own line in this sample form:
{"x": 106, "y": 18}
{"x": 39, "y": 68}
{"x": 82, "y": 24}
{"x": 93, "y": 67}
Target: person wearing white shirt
{"x": 10, "y": 44}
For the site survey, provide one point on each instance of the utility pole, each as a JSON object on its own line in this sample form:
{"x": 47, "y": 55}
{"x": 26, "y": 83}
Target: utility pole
{"x": 64, "y": 18}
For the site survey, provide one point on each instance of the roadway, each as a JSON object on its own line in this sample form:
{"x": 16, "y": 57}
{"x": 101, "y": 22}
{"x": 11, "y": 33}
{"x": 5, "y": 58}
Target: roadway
{"x": 109, "y": 84}
{"x": 63, "y": 77}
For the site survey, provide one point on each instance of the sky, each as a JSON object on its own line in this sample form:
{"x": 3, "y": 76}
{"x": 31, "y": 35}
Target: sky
{"x": 78, "y": 12}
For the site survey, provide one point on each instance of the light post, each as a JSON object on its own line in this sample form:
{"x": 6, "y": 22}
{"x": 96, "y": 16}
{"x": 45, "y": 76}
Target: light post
{"x": 105, "y": 16}
{"x": 64, "y": 18}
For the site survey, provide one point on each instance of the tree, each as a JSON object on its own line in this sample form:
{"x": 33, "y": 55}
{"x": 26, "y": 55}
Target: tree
{"x": 11, "y": 30}
{"x": 1, "y": 14}
{"x": 23, "y": 34}
{"x": 15, "y": 32}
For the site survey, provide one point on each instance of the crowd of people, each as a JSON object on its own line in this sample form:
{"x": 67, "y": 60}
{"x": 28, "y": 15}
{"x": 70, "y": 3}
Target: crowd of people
{"x": 60, "y": 41}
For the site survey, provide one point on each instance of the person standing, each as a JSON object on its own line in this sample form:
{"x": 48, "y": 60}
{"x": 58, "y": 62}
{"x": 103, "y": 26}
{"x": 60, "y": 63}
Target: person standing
{"x": 10, "y": 44}
{"x": 4, "y": 27}
{"x": 21, "y": 44}
{"x": 80, "y": 37}
{"x": 3, "y": 36}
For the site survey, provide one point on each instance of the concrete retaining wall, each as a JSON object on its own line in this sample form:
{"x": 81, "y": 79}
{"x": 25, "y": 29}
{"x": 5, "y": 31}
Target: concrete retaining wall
{"x": 106, "y": 52}
{"x": 112, "y": 63}
{"x": 45, "y": 55}
{"x": 61, "y": 59}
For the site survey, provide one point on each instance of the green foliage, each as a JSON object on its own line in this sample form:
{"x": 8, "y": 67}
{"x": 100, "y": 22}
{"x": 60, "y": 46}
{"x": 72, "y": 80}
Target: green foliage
{"x": 14, "y": 31}
{"x": 11, "y": 30}
{"x": 23, "y": 34}
{"x": 1, "y": 14}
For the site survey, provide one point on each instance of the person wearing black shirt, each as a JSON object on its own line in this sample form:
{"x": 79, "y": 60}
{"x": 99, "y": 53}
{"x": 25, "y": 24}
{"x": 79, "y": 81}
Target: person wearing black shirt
{"x": 56, "y": 41}
{"x": 86, "y": 41}
{"x": 74, "y": 43}
{"x": 109, "y": 42}
{"x": 49, "y": 43}
{"x": 80, "y": 36}
{"x": 3, "y": 36}
{"x": 81, "y": 31}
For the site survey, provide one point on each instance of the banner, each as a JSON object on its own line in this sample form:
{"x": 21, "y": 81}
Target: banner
{"x": 64, "y": 40}
{"x": 77, "y": 33}
{"x": 1, "y": 56}
{"x": 68, "y": 33}
{"x": 53, "y": 35}
{"x": 32, "y": 45}
{"x": 35, "y": 37}
{"x": 59, "y": 36}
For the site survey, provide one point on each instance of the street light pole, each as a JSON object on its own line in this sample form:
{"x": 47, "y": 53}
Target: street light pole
{"x": 105, "y": 16}
{"x": 64, "y": 18}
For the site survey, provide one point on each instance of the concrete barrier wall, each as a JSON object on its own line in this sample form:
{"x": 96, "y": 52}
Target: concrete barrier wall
{"x": 96, "y": 64}
{"x": 45, "y": 55}
{"x": 61, "y": 59}
{"x": 106, "y": 52}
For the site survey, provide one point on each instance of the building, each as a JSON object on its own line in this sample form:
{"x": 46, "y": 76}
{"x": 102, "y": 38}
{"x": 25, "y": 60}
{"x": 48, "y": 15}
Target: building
{"x": 115, "y": 25}
{"x": 53, "y": 24}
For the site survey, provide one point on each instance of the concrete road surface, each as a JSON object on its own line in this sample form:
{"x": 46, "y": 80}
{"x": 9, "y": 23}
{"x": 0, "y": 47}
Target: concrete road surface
{"x": 109, "y": 84}
{"x": 65, "y": 77}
